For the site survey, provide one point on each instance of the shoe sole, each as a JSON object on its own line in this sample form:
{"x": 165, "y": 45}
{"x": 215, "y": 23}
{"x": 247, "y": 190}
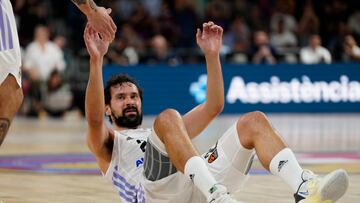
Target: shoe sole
{"x": 332, "y": 187}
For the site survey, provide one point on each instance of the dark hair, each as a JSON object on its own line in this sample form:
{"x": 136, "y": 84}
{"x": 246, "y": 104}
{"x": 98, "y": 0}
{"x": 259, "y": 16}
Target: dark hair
{"x": 119, "y": 79}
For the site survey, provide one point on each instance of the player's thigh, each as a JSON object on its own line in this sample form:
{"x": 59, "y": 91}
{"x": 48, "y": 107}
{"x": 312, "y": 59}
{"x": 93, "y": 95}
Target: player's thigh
{"x": 228, "y": 161}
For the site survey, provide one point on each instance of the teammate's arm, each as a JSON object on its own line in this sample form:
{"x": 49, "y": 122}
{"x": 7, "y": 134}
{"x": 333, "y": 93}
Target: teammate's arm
{"x": 98, "y": 134}
{"x": 210, "y": 41}
{"x": 98, "y": 18}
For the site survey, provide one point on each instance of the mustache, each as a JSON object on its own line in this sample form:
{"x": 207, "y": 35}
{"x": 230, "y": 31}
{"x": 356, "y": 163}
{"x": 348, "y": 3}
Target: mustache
{"x": 130, "y": 108}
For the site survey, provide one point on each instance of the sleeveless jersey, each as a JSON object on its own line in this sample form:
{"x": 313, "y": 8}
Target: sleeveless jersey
{"x": 126, "y": 166}
{"x": 10, "y": 56}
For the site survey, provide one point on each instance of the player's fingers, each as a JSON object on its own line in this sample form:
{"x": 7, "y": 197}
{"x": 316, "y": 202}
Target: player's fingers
{"x": 108, "y": 10}
{"x": 213, "y": 28}
{"x": 198, "y": 34}
{"x": 113, "y": 25}
{"x": 91, "y": 31}
{"x": 217, "y": 29}
{"x": 105, "y": 34}
{"x": 205, "y": 28}
{"x": 221, "y": 30}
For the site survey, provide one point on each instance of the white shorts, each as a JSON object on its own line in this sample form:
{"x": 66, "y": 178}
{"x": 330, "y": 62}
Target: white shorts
{"x": 10, "y": 54}
{"x": 227, "y": 160}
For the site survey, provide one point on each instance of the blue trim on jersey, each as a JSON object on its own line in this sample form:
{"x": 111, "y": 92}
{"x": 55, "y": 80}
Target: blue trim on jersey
{"x": 127, "y": 191}
{"x": 128, "y": 199}
{"x": 5, "y": 43}
{"x": 11, "y": 45}
{"x": 122, "y": 179}
{"x": 2, "y": 28}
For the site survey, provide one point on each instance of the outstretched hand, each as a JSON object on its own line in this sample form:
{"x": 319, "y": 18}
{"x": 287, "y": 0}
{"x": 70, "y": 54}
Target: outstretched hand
{"x": 96, "y": 46}
{"x": 101, "y": 21}
{"x": 210, "y": 38}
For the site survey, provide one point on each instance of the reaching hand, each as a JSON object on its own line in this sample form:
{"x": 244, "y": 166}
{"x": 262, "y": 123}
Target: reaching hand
{"x": 96, "y": 47}
{"x": 102, "y": 23}
{"x": 210, "y": 39}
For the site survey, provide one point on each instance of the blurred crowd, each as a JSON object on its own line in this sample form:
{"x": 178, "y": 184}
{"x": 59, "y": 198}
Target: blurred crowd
{"x": 163, "y": 32}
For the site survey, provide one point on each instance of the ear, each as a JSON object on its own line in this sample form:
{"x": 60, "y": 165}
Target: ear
{"x": 107, "y": 110}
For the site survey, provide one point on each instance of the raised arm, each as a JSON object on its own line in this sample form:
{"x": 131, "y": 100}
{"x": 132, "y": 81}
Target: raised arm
{"x": 210, "y": 42}
{"x": 98, "y": 134}
{"x": 98, "y": 18}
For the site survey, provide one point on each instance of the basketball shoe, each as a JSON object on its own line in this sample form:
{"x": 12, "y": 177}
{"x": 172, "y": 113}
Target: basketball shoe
{"x": 219, "y": 194}
{"x": 327, "y": 189}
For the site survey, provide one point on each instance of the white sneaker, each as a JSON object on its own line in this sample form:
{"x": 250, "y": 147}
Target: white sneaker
{"x": 328, "y": 189}
{"x": 219, "y": 194}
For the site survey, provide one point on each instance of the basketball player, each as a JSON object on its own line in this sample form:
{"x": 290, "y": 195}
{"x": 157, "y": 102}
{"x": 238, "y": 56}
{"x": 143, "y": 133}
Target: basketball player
{"x": 98, "y": 18}
{"x": 11, "y": 95}
{"x": 160, "y": 165}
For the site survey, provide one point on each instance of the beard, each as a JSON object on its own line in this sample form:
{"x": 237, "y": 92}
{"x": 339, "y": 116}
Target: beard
{"x": 131, "y": 121}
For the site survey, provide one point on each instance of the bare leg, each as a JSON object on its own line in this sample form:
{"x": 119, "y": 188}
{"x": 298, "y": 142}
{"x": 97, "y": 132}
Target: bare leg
{"x": 171, "y": 130}
{"x": 255, "y": 131}
{"x": 11, "y": 97}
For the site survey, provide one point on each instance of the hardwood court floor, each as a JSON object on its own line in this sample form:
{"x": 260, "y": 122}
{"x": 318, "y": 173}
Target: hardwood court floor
{"x": 53, "y": 137}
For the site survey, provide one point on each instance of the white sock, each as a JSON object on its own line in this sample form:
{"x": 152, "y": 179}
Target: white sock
{"x": 197, "y": 171}
{"x": 285, "y": 165}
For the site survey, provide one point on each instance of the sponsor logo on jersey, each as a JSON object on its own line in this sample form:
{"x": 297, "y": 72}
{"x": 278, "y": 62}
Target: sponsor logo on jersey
{"x": 212, "y": 155}
{"x": 139, "y": 162}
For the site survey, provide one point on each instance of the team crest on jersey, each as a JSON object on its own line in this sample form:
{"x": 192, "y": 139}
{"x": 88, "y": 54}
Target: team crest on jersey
{"x": 212, "y": 154}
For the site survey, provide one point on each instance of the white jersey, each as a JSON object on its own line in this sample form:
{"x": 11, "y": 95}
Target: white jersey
{"x": 10, "y": 57}
{"x": 126, "y": 166}
{"x": 126, "y": 170}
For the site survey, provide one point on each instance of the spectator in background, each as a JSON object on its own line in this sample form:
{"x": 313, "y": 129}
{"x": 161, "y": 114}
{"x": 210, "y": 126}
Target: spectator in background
{"x": 160, "y": 52}
{"x": 281, "y": 38}
{"x": 284, "y": 12}
{"x": 125, "y": 8}
{"x": 122, "y": 54}
{"x": 219, "y": 12}
{"x": 314, "y": 53}
{"x": 256, "y": 19}
{"x": 142, "y": 22}
{"x": 351, "y": 49}
{"x": 41, "y": 58}
{"x": 132, "y": 38}
{"x": 237, "y": 39}
{"x": 262, "y": 52}
{"x": 31, "y": 13}
{"x": 56, "y": 95}
{"x": 166, "y": 25}
{"x": 187, "y": 21}
{"x": 309, "y": 23}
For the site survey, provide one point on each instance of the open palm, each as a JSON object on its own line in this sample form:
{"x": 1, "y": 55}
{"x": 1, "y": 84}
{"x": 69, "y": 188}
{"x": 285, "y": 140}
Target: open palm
{"x": 210, "y": 38}
{"x": 96, "y": 46}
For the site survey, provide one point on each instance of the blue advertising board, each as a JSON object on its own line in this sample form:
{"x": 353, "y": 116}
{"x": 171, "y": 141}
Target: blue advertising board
{"x": 270, "y": 88}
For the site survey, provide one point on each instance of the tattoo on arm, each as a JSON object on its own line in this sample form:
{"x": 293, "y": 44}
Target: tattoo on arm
{"x": 91, "y": 3}
{"x": 4, "y": 127}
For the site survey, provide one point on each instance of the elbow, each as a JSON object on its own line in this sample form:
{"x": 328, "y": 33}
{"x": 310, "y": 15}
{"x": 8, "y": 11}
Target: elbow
{"x": 219, "y": 108}
{"x": 216, "y": 109}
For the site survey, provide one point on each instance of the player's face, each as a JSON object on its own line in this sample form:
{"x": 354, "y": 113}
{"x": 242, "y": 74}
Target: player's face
{"x": 125, "y": 105}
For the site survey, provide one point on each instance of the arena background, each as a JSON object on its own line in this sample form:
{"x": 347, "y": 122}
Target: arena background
{"x": 315, "y": 107}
